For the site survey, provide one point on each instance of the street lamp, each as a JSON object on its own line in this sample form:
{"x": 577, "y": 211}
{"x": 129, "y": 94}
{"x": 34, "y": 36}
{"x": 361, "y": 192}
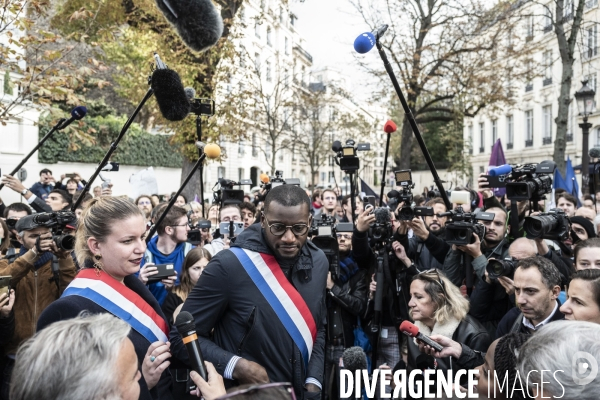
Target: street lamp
{"x": 586, "y": 105}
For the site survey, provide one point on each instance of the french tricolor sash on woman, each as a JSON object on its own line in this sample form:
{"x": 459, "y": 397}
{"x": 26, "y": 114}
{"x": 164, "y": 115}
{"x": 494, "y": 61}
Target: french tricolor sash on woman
{"x": 120, "y": 301}
{"x": 288, "y": 304}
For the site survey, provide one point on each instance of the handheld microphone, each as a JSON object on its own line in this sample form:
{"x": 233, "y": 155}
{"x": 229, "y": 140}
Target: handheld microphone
{"x": 412, "y": 330}
{"x": 187, "y": 329}
{"x": 390, "y": 127}
{"x": 197, "y": 22}
{"x": 366, "y": 41}
{"x": 76, "y": 114}
{"x": 501, "y": 170}
{"x": 170, "y": 95}
{"x": 336, "y": 146}
{"x": 594, "y": 152}
{"x": 354, "y": 358}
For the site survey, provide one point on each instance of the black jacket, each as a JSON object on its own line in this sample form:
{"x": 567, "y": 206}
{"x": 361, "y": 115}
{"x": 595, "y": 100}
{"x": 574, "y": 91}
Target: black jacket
{"x": 71, "y": 307}
{"x": 431, "y": 252}
{"x": 489, "y": 305}
{"x": 507, "y": 324}
{"x": 472, "y": 335}
{"x": 226, "y": 299}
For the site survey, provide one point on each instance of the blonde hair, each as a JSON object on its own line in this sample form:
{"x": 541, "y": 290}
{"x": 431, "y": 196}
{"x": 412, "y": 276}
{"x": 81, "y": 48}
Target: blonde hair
{"x": 97, "y": 220}
{"x": 449, "y": 301}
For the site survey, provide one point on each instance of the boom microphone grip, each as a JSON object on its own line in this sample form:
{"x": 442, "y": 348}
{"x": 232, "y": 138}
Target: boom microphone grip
{"x": 501, "y": 170}
{"x": 187, "y": 329}
{"x": 170, "y": 94}
{"x": 197, "y": 22}
{"x": 410, "y": 329}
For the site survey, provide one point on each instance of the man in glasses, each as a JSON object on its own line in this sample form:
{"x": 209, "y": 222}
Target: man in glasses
{"x": 259, "y": 307}
{"x": 346, "y": 300}
{"x": 144, "y": 203}
{"x": 169, "y": 246}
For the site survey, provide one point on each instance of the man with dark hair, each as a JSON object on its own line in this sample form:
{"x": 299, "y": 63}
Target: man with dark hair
{"x": 58, "y": 199}
{"x": 248, "y": 211}
{"x": 316, "y": 204}
{"x": 144, "y": 203}
{"x": 12, "y": 214}
{"x": 259, "y": 307}
{"x": 45, "y": 185}
{"x": 227, "y": 213}
{"x": 567, "y": 203}
{"x": 537, "y": 288}
{"x": 169, "y": 246}
{"x": 427, "y": 246}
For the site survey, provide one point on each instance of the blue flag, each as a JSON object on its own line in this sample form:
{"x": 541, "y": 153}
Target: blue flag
{"x": 571, "y": 181}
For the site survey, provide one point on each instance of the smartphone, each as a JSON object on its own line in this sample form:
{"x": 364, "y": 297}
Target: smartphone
{"x": 164, "y": 271}
{"x": 238, "y": 227}
{"x": 70, "y": 175}
{"x": 5, "y": 284}
{"x": 496, "y": 181}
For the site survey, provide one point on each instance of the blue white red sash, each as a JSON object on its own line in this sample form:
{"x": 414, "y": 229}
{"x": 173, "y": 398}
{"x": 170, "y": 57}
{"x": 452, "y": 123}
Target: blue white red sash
{"x": 120, "y": 301}
{"x": 288, "y": 304}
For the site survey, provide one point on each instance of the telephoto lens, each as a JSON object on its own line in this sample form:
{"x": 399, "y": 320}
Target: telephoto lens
{"x": 497, "y": 268}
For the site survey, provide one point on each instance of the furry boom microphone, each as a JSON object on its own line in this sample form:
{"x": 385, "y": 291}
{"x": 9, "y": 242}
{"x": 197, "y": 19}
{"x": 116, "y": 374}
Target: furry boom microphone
{"x": 197, "y": 22}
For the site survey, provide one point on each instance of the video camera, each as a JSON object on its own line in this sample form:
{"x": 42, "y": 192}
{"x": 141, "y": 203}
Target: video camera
{"x": 278, "y": 181}
{"x": 226, "y": 194}
{"x": 497, "y": 268}
{"x": 195, "y": 232}
{"x": 463, "y": 225}
{"x": 57, "y": 222}
{"x": 395, "y": 197}
{"x": 346, "y": 156}
{"x": 323, "y": 234}
{"x": 553, "y": 225}
{"x": 523, "y": 182}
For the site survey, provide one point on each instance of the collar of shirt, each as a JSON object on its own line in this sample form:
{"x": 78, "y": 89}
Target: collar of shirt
{"x": 529, "y": 325}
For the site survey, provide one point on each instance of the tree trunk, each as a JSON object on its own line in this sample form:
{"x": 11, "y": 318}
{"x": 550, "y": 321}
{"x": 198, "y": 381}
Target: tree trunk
{"x": 193, "y": 186}
{"x": 405, "y": 145}
{"x": 560, "y": 144}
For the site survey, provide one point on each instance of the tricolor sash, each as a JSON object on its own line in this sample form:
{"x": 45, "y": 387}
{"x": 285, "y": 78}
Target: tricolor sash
{"x": 120, "y": 301}
{"x": 288, "y": 304}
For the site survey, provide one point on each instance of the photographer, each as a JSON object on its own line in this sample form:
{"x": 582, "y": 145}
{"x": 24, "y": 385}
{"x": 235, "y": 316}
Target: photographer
{"x": 33, "y": 280}
{"x": 227, "y": 213}
{"x": 427, "y": 247}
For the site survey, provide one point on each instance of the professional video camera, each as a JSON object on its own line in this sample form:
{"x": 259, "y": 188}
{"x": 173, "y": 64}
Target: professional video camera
{"x": 395, "y": 197}
{"x": 195, "y": 232}
{"x": 226, "y": 194}
{"x": 523, "y": 182}
{"x": 463, "y": 225}
{"x": 346, "y": 156}
{"x": 553, "y": 225}
{"x": 324, "y": 235}
{"x": 497, "y": 268}
{"x": 57, "y": 222}
{"x": 272, "y": 182}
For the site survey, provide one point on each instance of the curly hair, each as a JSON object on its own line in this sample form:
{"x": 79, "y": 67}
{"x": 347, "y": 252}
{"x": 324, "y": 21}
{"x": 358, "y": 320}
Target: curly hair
{"x": 505, "y": 364}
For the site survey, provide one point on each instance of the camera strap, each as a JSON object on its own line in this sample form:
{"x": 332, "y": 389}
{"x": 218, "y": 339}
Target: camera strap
{"x": 55, "y": 271}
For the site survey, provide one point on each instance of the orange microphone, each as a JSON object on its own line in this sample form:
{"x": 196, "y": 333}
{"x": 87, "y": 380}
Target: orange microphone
{"x": 212, "y": 151}
{"x": 264, "y": 178}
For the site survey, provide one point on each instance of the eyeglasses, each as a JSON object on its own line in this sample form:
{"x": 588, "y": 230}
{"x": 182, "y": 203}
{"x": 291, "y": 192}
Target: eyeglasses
{"x": 345, "y": 236}
{"x": 285, "y": 385}
{"x": 439, "y": 280}
{"x": 144, "y": 203}
{"x": 279, "y": 229}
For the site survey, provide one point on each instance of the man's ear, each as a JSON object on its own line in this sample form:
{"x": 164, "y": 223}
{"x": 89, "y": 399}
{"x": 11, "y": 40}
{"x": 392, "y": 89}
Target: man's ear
{"x": 555, "y": 292}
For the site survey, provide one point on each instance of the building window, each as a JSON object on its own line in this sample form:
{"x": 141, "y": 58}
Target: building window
{"x": 286, "y": 78}
{"x": 529, "y": 75}
{"x": 240, "y": 174}
{"x": 241, "y": 150}
{"x": 268, "y": 63}
{"x": 262, "y": 4}
{"x": 547, "y": 57}
{"x": 481, "y": 137}
{"x": 257, "y": 60}
{"x": 529, "y": 28}
{"x": 568, "y": 10}
{"x": 257, "y": 29}
{"x": 494, "y": 131}
{"x": 529, "y": 128}
{"x": 591, "y": 3}
{"x": 269, "y": 41}
{"x": 470, "y": 139}
{"x": 591, "y": 78}
{"x": 292, "y": 19}
{"x": 254, "y": 145}
{"x": 547, "y": 18}
{"x": 510, "y": 131}
{"x": 282, "y": 15}
{"x": 287, "y": 46}
{"x": 547, "y": 119}
{"x": 597, "y": 137}
{"x": 591, "y": 41}
{"x": 221, "y": 172}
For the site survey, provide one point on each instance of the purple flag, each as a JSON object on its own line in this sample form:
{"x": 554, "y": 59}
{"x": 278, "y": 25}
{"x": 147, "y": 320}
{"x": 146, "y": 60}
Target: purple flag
{"x": 497, "y": 159}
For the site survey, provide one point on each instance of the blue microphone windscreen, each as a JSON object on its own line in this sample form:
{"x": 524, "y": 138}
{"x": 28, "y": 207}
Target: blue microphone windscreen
{"x": 501, "y": 170}
{"x": 364, "y": 43}
{"x": 79, "y": 112}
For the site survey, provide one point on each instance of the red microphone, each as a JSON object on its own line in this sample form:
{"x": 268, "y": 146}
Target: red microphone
{"x": 390, "y": 127}
{"x": 410, "y": 329}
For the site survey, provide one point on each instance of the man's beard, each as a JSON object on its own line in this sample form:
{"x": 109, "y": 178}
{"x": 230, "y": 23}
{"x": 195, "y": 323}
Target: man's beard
{"x": 440, "y": 232}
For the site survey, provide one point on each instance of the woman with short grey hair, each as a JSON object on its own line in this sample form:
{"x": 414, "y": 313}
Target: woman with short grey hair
{"x": 89, "y": 357}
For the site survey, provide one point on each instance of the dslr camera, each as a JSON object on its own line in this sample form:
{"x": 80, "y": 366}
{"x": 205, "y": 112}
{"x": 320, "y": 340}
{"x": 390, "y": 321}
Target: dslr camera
{"x": 395, "y": 197}
{"x": 497, "y": 268}
{"x": 57, "y": 222}
{"x": 195, "y": 232}
{"x": 463, "y": 225}
{"x": 553, "y": 225}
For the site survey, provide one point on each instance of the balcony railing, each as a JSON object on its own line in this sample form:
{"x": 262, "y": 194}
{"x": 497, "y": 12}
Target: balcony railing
{"x": 547, "y": 81}
{"x": 529, "y": 143}
{"x": 547, "y": 140}
{"x": 509, "y": 146}
{"x": 304, "y": 53}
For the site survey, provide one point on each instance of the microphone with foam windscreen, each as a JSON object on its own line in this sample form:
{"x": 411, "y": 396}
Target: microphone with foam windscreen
{"x": 336, "y": 146}
{"x": 264, "y": 178}
{"x": 354, "y": 358}
{"x": 197, "y": 22}
{"x": 501, "y": 170}
{"x": 594, "y": 152}
{"x": 366, "y": 41}
{"x": 410, "y": 329}
{"x": 390, "y": 127}
{"x": 382, "y": 216}
{"x": 190, "y": 93}
{"x": 170, "y": 95}
{"x": 187, "y": 329}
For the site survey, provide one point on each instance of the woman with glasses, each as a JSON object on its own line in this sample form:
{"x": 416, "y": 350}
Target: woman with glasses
{"x": 438, "y": 308}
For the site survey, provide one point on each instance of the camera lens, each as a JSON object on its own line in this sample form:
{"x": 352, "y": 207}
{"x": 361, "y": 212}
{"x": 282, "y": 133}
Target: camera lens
{"x": 497, "y": 268}
{"x": 65, "y": 242}
{"x": 540, "y": 225}
{"x": 406, "y": 214}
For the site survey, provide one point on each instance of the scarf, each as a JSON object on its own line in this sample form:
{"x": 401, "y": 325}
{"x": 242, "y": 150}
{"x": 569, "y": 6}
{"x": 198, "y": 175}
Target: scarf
{"x": 41, "y": 261}
{"x": 316, "y": 206}
{"x": 348, "y": 268}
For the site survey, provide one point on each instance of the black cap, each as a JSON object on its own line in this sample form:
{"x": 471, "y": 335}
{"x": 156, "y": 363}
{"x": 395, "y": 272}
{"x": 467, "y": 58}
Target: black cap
{"x": 26, "y": 223}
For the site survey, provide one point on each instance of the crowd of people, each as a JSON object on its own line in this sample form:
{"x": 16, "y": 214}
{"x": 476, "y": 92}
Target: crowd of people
{"x": 273, "y": 312}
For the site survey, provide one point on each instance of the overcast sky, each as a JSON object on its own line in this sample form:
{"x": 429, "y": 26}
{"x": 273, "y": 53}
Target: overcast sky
{"x": 329, "y": 28}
